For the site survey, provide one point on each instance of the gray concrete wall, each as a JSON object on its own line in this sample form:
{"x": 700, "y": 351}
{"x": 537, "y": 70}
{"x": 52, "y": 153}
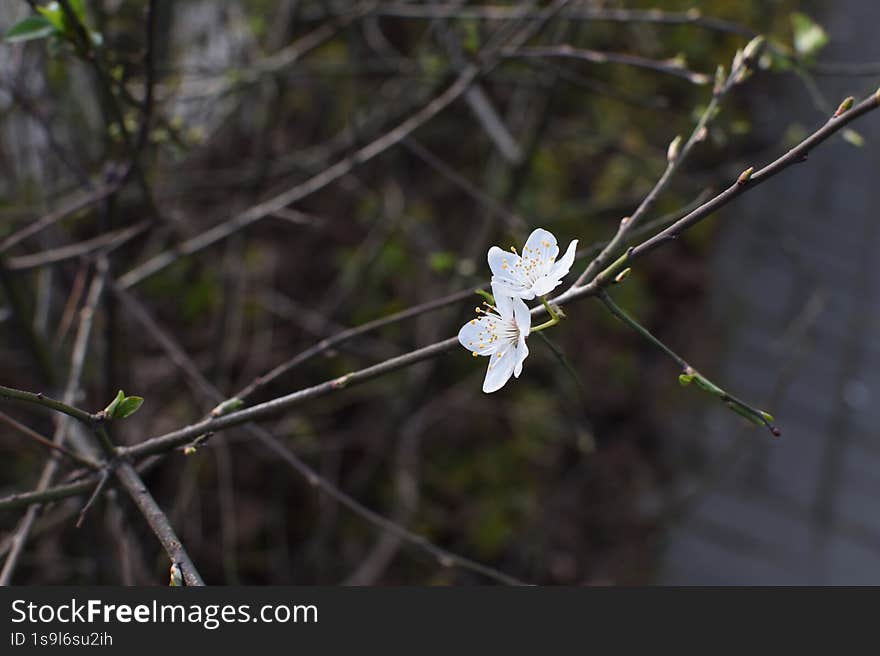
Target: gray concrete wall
{"x": 797, "y": 289}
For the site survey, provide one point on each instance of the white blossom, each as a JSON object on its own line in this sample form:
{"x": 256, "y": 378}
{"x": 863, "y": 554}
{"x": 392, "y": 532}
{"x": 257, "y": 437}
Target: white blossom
{"x": 499, "y": 333}
{"x": 535, "y": 272}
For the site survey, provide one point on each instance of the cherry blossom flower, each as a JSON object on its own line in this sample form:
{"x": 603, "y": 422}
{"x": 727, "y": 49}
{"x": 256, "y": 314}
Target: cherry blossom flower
{"x": 499, "y": 333}
{"x": 536, "y": 272}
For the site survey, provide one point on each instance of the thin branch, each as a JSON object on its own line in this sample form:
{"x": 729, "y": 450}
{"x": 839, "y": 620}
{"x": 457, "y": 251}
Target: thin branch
{"x": 106, "y": 242}
{"x": 213, "y": 395}
{"x": 63, "y": 490}
{"x": 500, "y": 12}
{"x": 747, "y": 180}
{"x": 149, "y": 77}
{"x": 688, "y": 373}
{"x": 72, "y": 205}
{"x": 599, "y": 57}
{"x": 798, "y": 153}
{"x": 102, "y": 483}
{"x": 158, "y": 522}
{"x": 674, "y": 162}
{"x": 47, "y": 443}
{"x": 319, "y": 181}
{"x": 40, "y": 399}
{"x": 41, "y": 496}
{"x": 78, "y": 357}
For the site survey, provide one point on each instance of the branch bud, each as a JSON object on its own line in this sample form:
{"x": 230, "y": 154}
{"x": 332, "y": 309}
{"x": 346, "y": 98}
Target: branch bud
{"x": 745, "y": 176}
{"x": 844, "y": 106}
{"x": 720, "y": 78}
{"x": 623, "y": 275}
{"x": 753, "y": 49}
{"x": 176, "y": 576}
{"x": 737, "y": 61}
{"x": 229, "y": 405}
{"x": 673, "y": 150}
{"x": 340, "y": 382}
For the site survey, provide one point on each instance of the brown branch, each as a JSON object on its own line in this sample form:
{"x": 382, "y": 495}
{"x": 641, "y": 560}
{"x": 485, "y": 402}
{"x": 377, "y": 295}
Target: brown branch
{"x": 597, "y": 57}
{"x": 158, "y": 522}
{"x": 47, "y": 443}
{"x": 321, "y": 180}
{"x": 78, "y": 356}
{"x": 207, "y": 390}
{"x": 673, "y": 164}
{"x": 270, "y": 408}
{"x": 499, "y": 12}
{"x": 106, "y": 242}
{"x": 747, "y": 180}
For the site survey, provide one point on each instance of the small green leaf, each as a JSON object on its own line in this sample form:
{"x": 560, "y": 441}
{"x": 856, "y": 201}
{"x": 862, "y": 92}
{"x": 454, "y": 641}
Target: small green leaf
{"x": 853, "y": 138}
{"x": 744, "y": 412}
{"x": 54, "y": 14}
{"x": 110, "y": 410}
{"x": 32, "y": 27}
{"x": 809, "y": 37}
{"x": 767, "y": 416}
{"x": 685, "y": 379}
{"x": 128, "y": 407}
{"x": 79, "y": 9}
{"x": 708, "y": 386}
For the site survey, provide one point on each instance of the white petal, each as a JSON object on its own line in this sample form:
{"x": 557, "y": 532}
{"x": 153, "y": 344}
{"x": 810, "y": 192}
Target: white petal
{"x": 541, "y": 245}
{"x": 503, "y": 300}
{"x": 501, "y": 366}
{"x": 522, "y": 352}
{"x": 545, "y": 285}
{"x": 522, "y": 316}
{"x": 506, "y": 269}
{"x": 475, "y": 336}
{"x": 562, "y": 267}
{"x": 517, "y": 290}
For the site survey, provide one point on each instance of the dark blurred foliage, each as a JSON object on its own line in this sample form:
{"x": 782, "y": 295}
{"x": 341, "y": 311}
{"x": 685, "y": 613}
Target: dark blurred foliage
{"x": 552, "y": 480}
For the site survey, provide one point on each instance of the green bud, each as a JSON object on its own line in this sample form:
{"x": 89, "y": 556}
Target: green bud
{"x": 753, "y": 47}
{"x": 673, "y": 150}
{"x": 229, "y": 405}
{"x": 123, "y": 406}
{"x": 176, "y": 576}
{"x": 708, "y": 386}
{"x": 743, "y": 412}
{"x": 844, "y": 106}
{"x": 110, "y": 410}
{"x": 720, "y": 78}
{"x": 745, "y": 176}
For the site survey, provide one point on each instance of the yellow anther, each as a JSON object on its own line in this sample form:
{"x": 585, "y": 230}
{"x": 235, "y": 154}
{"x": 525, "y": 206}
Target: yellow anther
{"x": 474, "y": 354}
